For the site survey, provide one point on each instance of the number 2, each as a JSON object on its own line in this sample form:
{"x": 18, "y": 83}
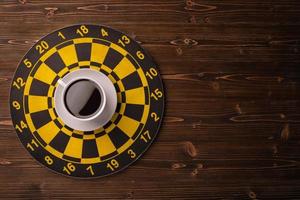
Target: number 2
{"x": 154, "y": 116}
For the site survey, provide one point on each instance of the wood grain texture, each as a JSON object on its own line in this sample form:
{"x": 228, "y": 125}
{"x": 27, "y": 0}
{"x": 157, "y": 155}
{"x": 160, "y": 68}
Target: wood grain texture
{"x": 232, "y": 79}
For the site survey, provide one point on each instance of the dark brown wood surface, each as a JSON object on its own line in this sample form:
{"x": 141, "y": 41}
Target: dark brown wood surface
{"x": 231, "y": 71}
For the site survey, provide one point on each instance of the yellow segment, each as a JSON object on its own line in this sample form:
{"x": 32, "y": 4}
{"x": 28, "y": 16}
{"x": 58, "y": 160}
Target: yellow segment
{"x": 105, "y": 68}
{"x": 27, "y": 86}
{"x": 98, "y": 130}
{"x": 94, "y": 68}
{"x": 128, "y": 125}
{"x": 118, "y": 49}
{"x": 124, "y": 68}
{"x": 63, "y": 72}
{"x": 111, "y": 78}
{"x": 30, "y": 123}
{"x": 142, "y": 76}
{"x": 66, "y": 131}
{"x": 50, "y": 91}
{"x": 83, "y": 40}
{"x": 98, "y": 53}
{"x": 78, "y": 132}
{"x": 110, "y": 128}
{"x": 60, "y": 121}
{"x": 145, "y": 114}
{"x": 114, "y": 117}
{"x": 52, "y": 114}
{"x": 74, "y": 148}
{"x": 48, "y": 131}
{"x": 68, "y": 55}
{"x": 74, "y": 68}
{"x": 45, "y": 74}
{"x": 122, "y": 108}
{"x": 105, "y": 146}
{"x": 121, "y": 86}
{"x": 135, "y": 96}
{"x": 37, "y": 103}
{"x": 84, "y": 63}
{"x": 89, "y": 137}
{"x": 90, "y": 160}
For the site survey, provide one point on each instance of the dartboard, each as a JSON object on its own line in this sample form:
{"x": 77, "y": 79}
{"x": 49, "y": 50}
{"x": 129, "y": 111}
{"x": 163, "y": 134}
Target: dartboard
{"x": 86, "y": 101}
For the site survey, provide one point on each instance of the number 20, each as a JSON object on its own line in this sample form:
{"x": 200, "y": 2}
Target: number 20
{"x": 42, "y": 47}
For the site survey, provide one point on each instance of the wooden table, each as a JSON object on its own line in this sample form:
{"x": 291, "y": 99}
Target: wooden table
{"x": 231, "y": 74}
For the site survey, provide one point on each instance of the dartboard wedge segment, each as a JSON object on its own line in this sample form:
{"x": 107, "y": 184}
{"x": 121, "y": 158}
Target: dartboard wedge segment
{"x": 86, "y": 101}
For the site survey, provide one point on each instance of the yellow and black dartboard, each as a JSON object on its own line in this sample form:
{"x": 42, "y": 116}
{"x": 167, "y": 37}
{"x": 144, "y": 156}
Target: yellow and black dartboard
{"x": 86, "y": 101}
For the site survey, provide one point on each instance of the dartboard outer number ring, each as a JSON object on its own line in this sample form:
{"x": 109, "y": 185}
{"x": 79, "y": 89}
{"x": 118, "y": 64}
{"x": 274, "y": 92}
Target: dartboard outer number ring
{"x": 108, "y": 149}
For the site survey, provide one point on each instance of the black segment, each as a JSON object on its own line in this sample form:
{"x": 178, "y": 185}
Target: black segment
{"x": 89, "y": 149}
{"x": 118, "y": 107}
{"x": 49, "y": 101}
{"x": 118, "y": 137}
{"x": 40, "y": 118}
{"x": 60, "y": 141}
{"x": 115, "y": 76}
{"x": 26, "y": 104}
{"x": 112, "y": 58}
{"x": 107, "y": 125}
{"x": 38, "y": 88}
{"x": 100, "y": 134}
{"x": 55, "y": 62}
{"x": 68, "y": 128}
{"x": 75, "y": 135}
{"x": 83, "y": 51}
{"x": 109, "y": 155}
{"x": 88, "y": 132}
{"x": 71, "y": 158}
{"x": 57, "y": 123}
{"x": 134, "y": 111}
{"x": 117, "y": 87}
{"x": 118, "y": 119}
{"x": 96, "y": 64}
{"x": 73, "y": 65}
{"x": 132, "y": 81}
{"x": 123, "y": 97}
{"x": 55, "y": 80}
{"x": 146, "y": 92}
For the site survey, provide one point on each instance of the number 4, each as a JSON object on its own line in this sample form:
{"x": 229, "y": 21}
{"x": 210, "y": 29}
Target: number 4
{"x": 104, "y": 32}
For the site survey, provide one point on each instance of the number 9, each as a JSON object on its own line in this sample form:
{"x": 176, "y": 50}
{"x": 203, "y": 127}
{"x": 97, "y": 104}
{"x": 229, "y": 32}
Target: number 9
{"x": 16, "y": 105}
